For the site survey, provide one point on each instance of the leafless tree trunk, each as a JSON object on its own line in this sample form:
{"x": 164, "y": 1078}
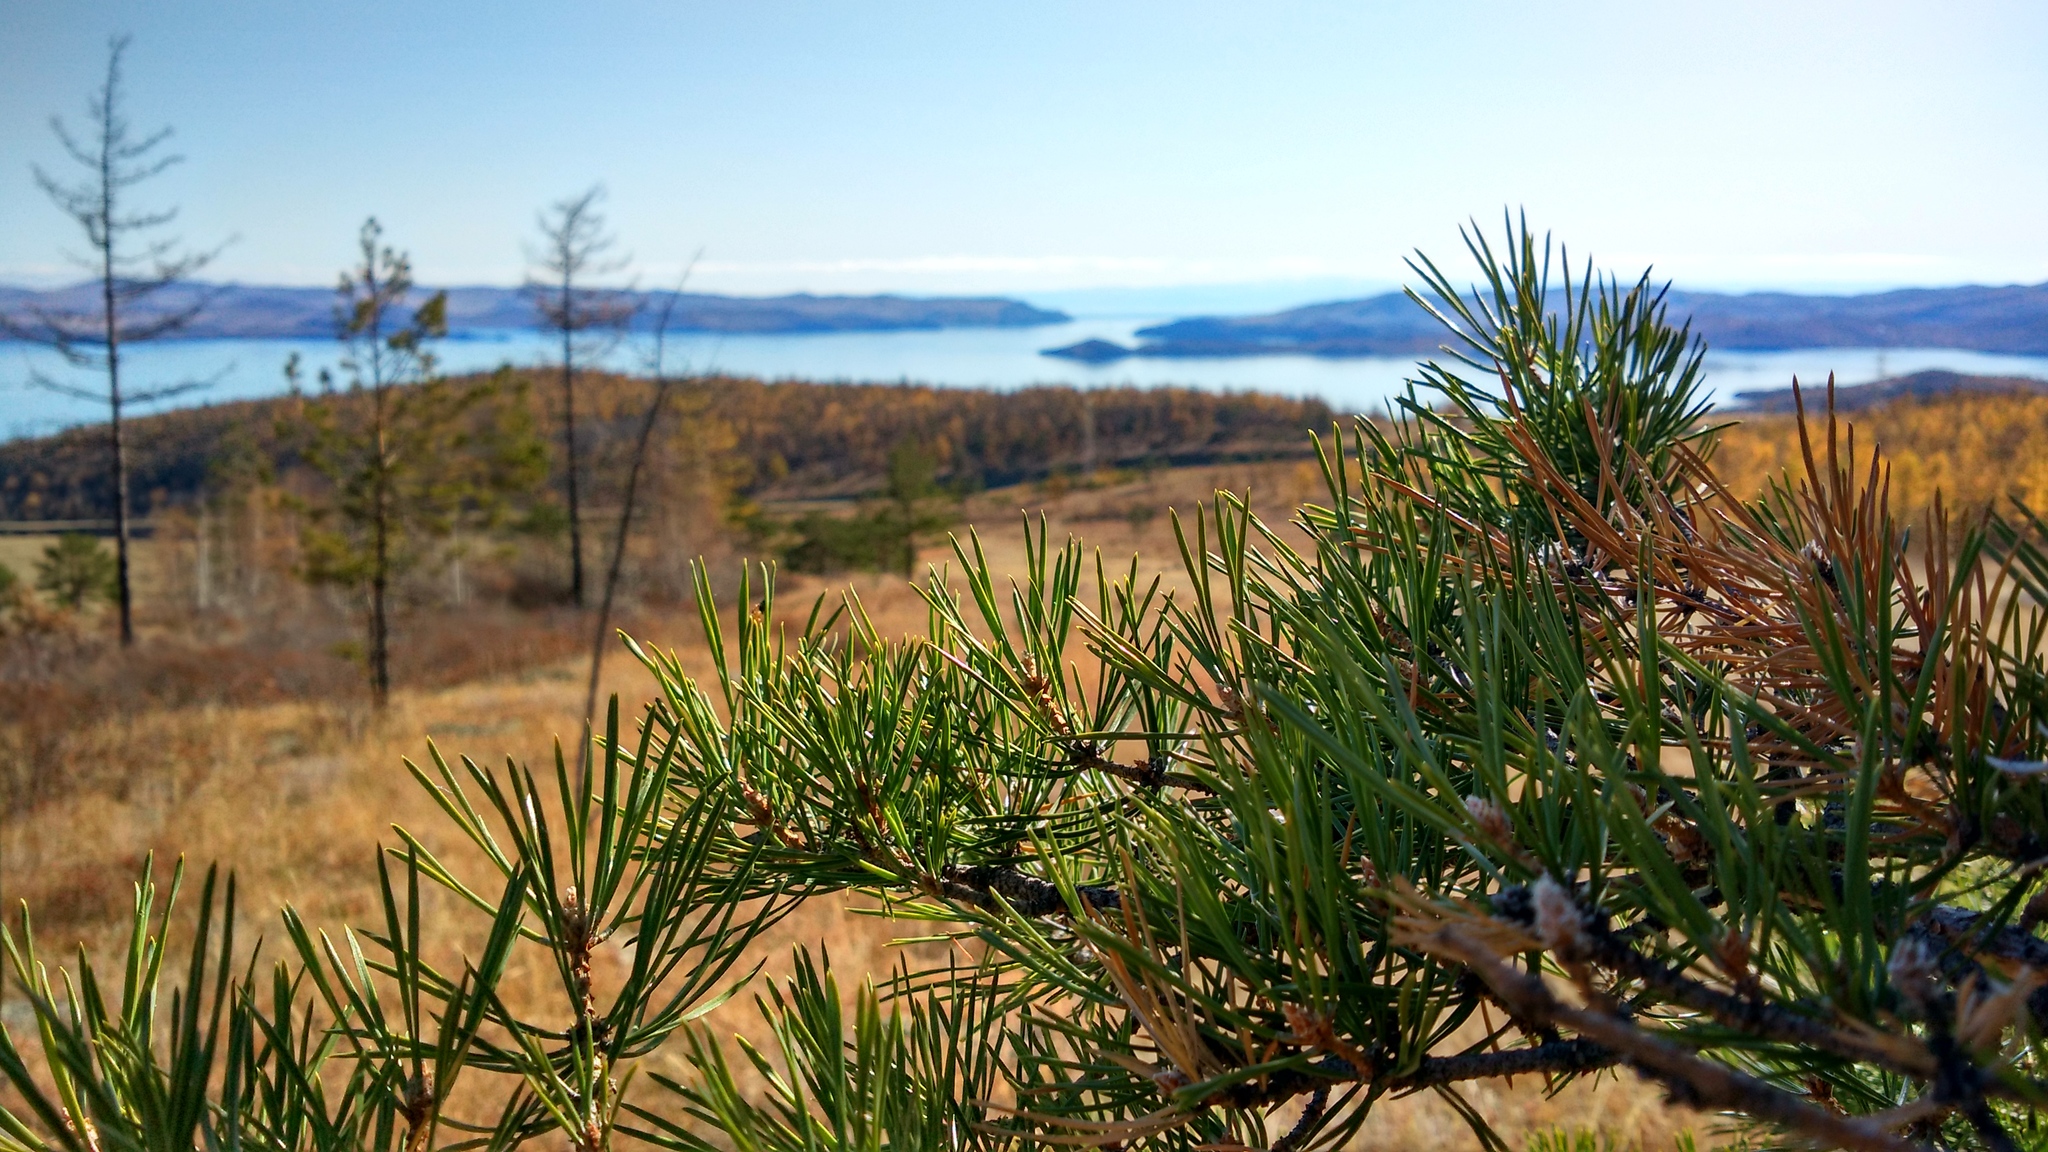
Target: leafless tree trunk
{"x": 115, "y": 160}
{"x": 575, "y": 248}
{"x": 1087, "y": 434}
{"x": 202, "y": 561}
{"x": 380, "y": 564}
{"x": 662, "y": 384}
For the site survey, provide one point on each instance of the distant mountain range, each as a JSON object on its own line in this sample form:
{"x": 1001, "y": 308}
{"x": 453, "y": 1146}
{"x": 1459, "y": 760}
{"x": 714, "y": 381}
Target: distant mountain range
{"x": 2011, "y": 320}
{"x": 235, "y": 311}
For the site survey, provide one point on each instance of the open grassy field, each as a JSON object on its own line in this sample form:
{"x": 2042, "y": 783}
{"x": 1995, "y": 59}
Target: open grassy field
{"x": 295, "y": 795}
{"x": 258, "y": 750}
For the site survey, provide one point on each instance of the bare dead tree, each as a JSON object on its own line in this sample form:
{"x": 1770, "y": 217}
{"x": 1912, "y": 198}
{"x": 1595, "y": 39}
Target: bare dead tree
{"x": 575, "y": 248}
{"x": 132, "y": 263}
{"x": 663, "y": 383}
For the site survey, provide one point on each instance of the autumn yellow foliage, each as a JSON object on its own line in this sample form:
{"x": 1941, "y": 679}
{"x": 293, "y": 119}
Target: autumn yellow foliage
{"x": 1976, "y": 451}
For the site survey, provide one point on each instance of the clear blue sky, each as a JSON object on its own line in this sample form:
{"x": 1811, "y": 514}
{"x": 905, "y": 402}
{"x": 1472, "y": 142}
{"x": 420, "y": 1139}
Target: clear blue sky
{"x": 944, "y": 147}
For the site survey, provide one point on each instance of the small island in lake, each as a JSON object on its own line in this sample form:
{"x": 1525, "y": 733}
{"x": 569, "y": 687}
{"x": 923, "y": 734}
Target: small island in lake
{"x": 1090, "y": 352}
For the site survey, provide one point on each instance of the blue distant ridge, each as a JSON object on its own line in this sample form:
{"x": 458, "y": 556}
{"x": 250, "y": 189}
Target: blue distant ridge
{"x": 2012, "y": 320}
{"x": 2009, "y": 320}
{"x": 242, "y": 311}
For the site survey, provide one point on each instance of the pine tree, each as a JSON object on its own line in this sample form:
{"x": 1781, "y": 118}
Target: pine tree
{"x": 403, "y": 455}
{"x": 75, "y": 569}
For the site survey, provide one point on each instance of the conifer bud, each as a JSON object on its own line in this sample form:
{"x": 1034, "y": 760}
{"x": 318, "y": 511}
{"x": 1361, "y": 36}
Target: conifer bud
{"x": 1731, "y": 952}
{"x": 1912, "y": 971}
{"x": 1492, "y": 819}
{"x": 1559, "y": 923}
{"x": 1170, "y": 1080}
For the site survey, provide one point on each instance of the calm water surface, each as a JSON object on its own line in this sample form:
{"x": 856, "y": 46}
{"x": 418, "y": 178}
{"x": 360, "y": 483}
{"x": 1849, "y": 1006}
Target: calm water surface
{"x": 969, "y": 358}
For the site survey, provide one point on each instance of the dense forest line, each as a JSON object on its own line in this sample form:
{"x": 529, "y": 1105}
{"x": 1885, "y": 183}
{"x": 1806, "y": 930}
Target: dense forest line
{"x": 773, "y": 441}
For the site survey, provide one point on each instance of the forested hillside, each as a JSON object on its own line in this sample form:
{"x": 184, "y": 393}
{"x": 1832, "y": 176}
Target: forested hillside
{"x": 775, "y": 440}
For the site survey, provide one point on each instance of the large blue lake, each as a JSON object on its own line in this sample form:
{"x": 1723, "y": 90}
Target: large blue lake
{"x": 968, "y": 358}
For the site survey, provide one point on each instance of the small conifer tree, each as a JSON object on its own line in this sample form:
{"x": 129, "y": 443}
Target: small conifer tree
{"x": 403, "y": 455}
{"x": 75, "y": 570}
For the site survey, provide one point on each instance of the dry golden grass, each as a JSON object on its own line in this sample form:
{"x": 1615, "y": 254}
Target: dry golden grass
{"x": 21, "y": 552}
{"x": 295, "y": 797}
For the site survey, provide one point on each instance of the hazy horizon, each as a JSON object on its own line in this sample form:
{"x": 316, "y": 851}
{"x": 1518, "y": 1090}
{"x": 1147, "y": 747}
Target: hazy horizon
{"x": 1136, "y": 301}
{"x": 928, "y": 150}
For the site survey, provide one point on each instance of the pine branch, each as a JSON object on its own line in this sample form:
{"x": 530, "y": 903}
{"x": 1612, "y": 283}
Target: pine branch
{"x": 1691, "y": 1079}
{"x": 1604, "y": 947}
{"x": 1305, "y": 1127}
{"x": 1958, "y": 927}
{"x": 1028, "y": 895}
{"x": 1552, "y": 1057}
{"x": 1150, "y": 774}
